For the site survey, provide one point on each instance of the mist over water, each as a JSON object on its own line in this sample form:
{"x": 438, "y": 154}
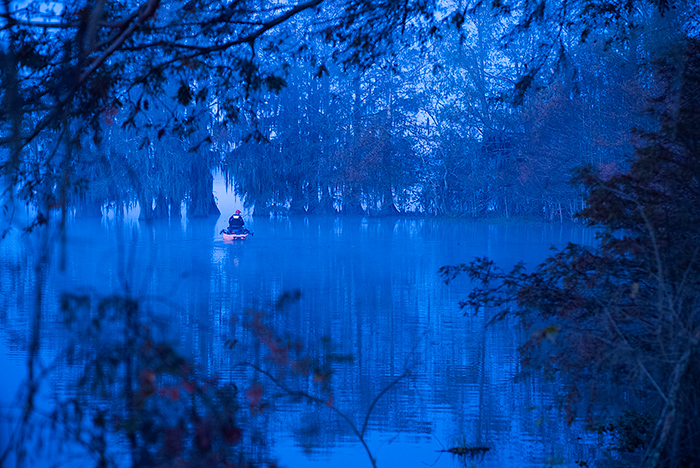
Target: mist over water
{"x": 369, "y": 287}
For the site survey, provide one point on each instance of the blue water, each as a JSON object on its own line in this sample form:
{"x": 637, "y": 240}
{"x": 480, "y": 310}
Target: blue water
{"x": 369, "y": 285}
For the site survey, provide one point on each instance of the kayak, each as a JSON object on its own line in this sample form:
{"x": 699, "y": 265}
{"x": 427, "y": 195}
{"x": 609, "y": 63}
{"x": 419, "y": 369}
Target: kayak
{"x": 232, "y": 237}
{"x": 237, "y": 234}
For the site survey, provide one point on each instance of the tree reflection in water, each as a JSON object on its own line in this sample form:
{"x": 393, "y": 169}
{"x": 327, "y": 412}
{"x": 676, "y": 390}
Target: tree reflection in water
{"x": 218, "y": 354}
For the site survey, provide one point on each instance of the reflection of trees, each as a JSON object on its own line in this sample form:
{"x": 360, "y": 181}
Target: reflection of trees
{"x": 351, "y": 296}
{"x": 368, "y": 288}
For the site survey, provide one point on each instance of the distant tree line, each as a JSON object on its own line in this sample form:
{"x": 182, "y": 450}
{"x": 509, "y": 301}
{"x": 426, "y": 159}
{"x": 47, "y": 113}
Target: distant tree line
{"x": 324, "y": 107}
{"x": 437, "y": 133}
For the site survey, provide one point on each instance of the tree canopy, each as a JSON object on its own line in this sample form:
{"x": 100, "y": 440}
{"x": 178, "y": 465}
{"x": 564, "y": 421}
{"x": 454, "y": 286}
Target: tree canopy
{"x": 79, "y": 79}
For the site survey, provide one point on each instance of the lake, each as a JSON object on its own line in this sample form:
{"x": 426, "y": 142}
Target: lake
{"x": 365, "y": 289}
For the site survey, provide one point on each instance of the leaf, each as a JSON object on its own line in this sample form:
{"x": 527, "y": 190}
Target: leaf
{"x": 232, "y": 435}
{"x": 322, "y": 70}
{"x": 635, "y": 290}
{"x": 551, "y": 333}
{"x": 109, "y": 114}
{"x": 202, "y": 95}
{"x": 172, "y": 440}
{"x": 275, "y": 83}
{"x": 145, "y": 142}
{"x": 188, "y": 386}
{"x": 184, "y": 96}
{"x": 202, "y": 436}
{"x": 254, "y": 395}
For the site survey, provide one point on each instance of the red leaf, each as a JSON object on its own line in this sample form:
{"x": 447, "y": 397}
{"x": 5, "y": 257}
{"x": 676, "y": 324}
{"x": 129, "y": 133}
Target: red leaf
{"x": 303, "y": 366}
{"x": 202, "y": 436}
{"x": 147, "y": 382}
{"x": 109, "y": 114}
{"x": 188, "y": 386}
{"x": 172, "y": 441}
{"x": 232, "y": 435}
{"x": 254, "y": 395}
{"x": 174, "y": 394}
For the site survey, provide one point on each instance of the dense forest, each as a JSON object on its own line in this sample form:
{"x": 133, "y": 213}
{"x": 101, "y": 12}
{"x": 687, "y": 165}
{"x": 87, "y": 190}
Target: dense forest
{"x": 326, "y": 107}
{"x": 479, "y": 109}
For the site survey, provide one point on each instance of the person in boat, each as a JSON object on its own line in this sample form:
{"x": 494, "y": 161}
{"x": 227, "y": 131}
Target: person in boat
{"x": 236, "y": 223}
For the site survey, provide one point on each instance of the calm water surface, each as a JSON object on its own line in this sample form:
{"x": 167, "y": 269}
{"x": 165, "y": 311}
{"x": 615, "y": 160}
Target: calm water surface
{"x": 369, "y": 285}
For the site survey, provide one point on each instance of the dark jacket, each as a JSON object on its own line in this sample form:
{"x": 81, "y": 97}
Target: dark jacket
{"x": 236, "y": 222}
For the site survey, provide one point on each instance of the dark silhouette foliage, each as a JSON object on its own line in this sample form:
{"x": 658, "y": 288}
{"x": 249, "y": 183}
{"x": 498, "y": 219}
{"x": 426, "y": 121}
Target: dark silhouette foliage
{"x": 134, "y": 400}
{"x": 618, "y": 323}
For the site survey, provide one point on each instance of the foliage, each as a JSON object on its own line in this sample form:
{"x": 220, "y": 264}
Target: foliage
{"x": 69, "y": 70}
{"x": 137, "y": 394}
{"x": 617, "y": 323}
{"x": 80, "y": 81}
{"x": 439, "y": 134}
{"x": 630, "y": 432}
{"x": 136, "y": 400}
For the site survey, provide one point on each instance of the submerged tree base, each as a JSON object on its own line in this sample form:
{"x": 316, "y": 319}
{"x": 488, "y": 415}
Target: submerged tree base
{"x": 470, "y": 451}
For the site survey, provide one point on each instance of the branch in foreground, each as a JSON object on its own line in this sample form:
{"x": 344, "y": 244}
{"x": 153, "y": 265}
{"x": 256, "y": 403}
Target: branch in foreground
{"x": 298, "y": 393}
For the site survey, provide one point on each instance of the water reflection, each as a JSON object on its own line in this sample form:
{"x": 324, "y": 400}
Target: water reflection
{"x": 368, "y": 286}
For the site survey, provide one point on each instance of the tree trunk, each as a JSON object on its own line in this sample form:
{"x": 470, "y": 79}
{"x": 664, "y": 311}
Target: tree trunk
{"x": 161, "y": 209}
{"x": 201, "y": 202}
{"x": 667, "y": 419}
{"x": 175, "y": 207}
{"x": 351, "y": 202}
{"x": 324, "y": 206}
{"x": 146, "y": 208}
{"x": 89, "y": 208}
{"x": 297, "y": 205}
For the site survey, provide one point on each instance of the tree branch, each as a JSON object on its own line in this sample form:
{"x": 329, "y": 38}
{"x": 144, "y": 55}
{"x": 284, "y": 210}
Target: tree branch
{"x": 359, "y": 433}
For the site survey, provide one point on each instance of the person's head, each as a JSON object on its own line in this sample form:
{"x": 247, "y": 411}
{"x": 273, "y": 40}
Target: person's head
{"x": 238, "y": 211}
